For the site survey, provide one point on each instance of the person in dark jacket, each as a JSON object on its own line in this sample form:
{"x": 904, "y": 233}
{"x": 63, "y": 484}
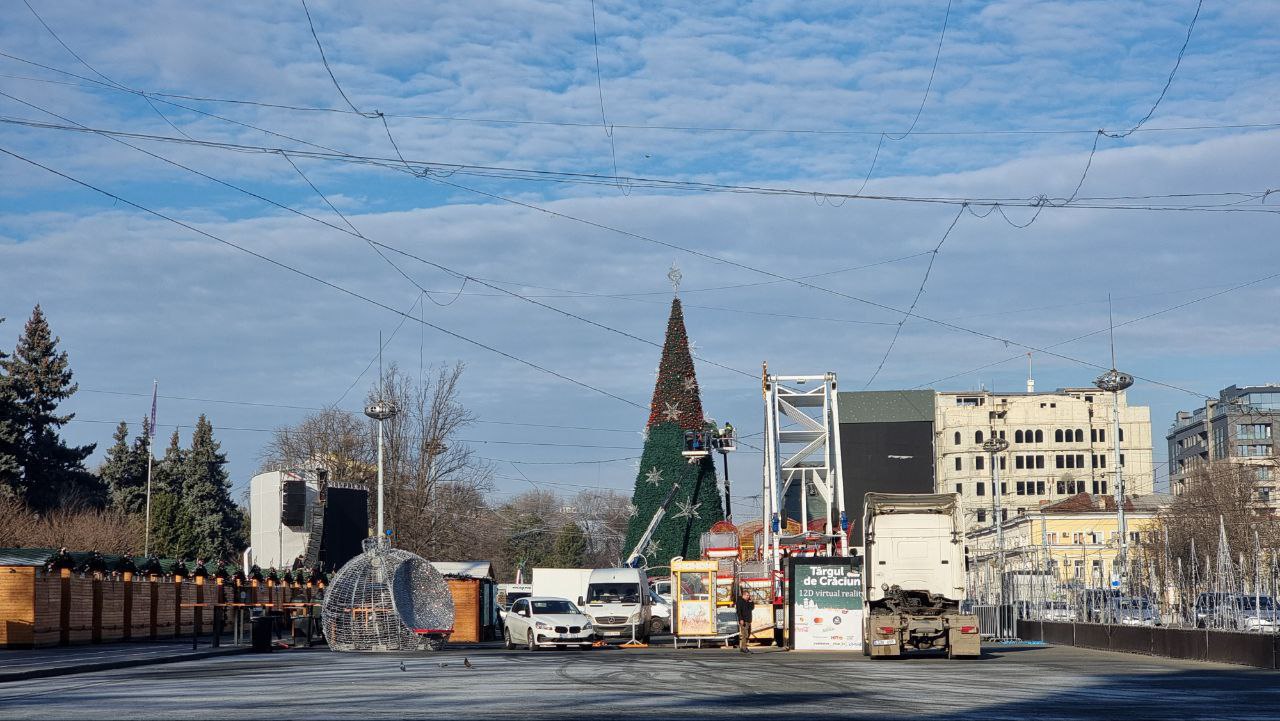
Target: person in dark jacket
{"x": 745, "y": 607}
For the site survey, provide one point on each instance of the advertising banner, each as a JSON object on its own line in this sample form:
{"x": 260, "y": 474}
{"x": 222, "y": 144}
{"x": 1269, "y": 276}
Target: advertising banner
{"x": 826, "y": 604}
{"x": 695, "y": 597}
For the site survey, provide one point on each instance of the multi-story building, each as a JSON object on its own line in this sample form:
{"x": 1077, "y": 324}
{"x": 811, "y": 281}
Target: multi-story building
{"x": 1060, "y": 445}
{"x": 1071, "y": 543}
{"x": 1242, "y": 428}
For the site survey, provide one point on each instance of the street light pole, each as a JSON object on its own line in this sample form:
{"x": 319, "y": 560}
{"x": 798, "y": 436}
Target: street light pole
{"x": 994, "y": 446}
{"x": 1113, "y": 381}
{"x": 380, "y": 411}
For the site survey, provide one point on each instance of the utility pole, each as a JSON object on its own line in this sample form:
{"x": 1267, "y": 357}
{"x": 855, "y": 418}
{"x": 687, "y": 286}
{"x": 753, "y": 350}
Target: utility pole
{"x": 994, "y": 446}
{"x": 380, "y": 410}
{"x": 1113, "y": 381}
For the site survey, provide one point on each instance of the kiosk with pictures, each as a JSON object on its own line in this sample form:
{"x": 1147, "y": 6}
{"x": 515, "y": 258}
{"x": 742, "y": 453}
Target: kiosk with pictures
{"x": 693, "y": 591}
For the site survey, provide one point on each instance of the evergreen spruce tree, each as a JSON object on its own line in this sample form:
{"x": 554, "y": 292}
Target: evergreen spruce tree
{"x": 10, "y": 435}
{"x": 53, "y": 473}
{"x": 570, "y": 550}
{"x": 125, "y": 470}
{"x": 213, "y": 525}
{"x": 168, "y": 524}
{"x": 676, "y": 408}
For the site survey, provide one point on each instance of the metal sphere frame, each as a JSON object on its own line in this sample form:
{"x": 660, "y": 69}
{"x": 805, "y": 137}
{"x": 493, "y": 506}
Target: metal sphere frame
{"x": 387, "y": 599}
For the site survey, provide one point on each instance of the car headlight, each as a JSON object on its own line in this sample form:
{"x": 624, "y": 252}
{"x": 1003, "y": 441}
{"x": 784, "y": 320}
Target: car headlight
{"x": 587, "y": 626}
{"x": 635, "y": 618}
{"x": 543, "y": 626}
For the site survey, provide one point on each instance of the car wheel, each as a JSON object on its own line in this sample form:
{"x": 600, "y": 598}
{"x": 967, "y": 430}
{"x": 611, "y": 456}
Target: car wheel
{"x": 655, "y": 626}
{"x": 506, "y": 639}
{"x": 533, "y": 646}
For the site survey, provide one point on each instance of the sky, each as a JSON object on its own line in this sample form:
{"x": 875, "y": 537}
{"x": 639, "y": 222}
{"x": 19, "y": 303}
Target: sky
{"x": 533, "y": 172}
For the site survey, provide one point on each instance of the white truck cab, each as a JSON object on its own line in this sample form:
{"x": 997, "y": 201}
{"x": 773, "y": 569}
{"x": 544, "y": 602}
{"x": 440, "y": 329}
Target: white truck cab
{"x": 619, "y": 603}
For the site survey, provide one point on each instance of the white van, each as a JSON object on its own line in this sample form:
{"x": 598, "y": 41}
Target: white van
{"x": 619, "y": 603}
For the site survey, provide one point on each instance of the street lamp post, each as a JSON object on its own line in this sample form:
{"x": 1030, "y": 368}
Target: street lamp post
{"x": 994, "y": 446}
{"x": 1113, "y": 381}
{"x": 380, "y": 411}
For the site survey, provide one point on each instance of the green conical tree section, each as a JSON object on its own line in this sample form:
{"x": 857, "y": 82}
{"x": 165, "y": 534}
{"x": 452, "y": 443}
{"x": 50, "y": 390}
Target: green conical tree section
{"x": 676, "y": 408}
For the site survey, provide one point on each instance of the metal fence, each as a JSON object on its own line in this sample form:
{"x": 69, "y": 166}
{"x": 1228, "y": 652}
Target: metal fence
{"x": 1217, "y": 588}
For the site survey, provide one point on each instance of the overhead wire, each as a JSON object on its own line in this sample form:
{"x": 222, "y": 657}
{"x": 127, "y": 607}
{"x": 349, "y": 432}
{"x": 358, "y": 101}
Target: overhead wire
{"x": 433, "y": 170}
{"x": 604, "y": 121}
{"x": 916, "y": 300}
{"x": 95, "y": 71}
{"x": 377, "y": 245}
{"x": 1168, "y": 82}
{"x": 637, "y": 126}
{"x": 317, "y": 279}
{"x": 934, "y": 71}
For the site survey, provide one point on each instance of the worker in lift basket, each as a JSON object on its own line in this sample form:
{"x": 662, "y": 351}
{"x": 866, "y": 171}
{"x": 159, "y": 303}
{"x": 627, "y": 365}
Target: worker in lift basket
{"x": 744, "y": 607}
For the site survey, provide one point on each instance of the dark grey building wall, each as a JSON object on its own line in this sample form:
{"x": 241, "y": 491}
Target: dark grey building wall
{"x": 891, "y": 457}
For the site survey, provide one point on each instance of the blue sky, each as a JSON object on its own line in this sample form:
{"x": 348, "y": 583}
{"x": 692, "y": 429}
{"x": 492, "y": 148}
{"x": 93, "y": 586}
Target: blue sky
{"x": 135, "y": 297}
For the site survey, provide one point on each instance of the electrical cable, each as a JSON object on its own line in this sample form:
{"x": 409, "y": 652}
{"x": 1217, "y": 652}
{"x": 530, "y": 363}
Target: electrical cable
{"x": 604, "y": 121}
{"x": 635, "y": 126}
{"x": 945, "y": 19}
{"x": 993, "y": 203}
{"x": 94, "y": 70}
{"x": 376, "y": 245}
{"x": 1167, "y": 83}
{"x": 916, "y": 300}
{"x": 317, "y": 279}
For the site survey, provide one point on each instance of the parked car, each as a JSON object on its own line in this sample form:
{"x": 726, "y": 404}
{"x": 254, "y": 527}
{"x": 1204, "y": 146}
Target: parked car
{"x": 660, "y": 615}
{"x": 1214, "y": 610}
{"x": 1258, "y": 614}
{"x": 1057, "y": 611}
{"x": 546, "y": 622}
{"x": 1132, "y": 612}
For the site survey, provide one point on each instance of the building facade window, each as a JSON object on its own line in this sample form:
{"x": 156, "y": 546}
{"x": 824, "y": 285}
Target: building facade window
{"x": 1253, "y": 450}
{"x": 1057, "y": 436}
{"x": 977, "y": 436}
{"x": 1079, "y": 435}
{"x": 979, "y": 463}
{"x": 960, "y": 488}
{"x": 982, "y": 516}
{"x": 1100, "y": 487}
{"x": 1002, "y": 464}
{"x": 980, "y": 488}
{"x": 1017, "y": 436}
{"x": 1039, "y": 436}
{"x": 1253, "y": 431}
{"x": 1122, "y": 435}
{"x": 957, "y": 438}
{"x": 959, "y": 463}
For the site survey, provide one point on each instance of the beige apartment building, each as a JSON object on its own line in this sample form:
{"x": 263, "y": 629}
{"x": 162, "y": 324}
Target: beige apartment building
{"x": 1060, "y": 445}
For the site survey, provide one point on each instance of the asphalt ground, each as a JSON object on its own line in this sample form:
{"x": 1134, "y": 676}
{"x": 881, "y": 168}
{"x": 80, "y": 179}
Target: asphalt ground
{"x": 1008, "y": 682}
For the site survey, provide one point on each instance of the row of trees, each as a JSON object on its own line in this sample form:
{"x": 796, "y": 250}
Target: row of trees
{"x": 437, "y": 489}
{"x": 49, "y": 498}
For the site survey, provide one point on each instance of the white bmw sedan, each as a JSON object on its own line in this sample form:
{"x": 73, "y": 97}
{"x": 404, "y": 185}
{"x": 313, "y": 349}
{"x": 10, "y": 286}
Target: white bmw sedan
{"x": 546, "y": 622}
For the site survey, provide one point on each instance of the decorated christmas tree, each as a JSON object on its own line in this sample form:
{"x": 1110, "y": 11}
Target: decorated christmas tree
{"x": 676, "y": 408}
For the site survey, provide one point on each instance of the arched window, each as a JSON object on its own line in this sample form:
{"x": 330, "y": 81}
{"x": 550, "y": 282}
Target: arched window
{"x": 1039, "y": 436}
{"x": 977, "y": 436}
{"x": 1057, "y": 436}
{"x": 1017, "y": 436}
{"x": 957, "y": 438}
{"x": 1079, "y": 435}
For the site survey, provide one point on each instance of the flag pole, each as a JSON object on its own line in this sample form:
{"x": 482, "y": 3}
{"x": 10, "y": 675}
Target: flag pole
{"x": 151, "y": 434}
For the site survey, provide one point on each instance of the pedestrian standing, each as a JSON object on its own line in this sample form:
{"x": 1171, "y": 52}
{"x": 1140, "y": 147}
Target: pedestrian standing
{"x": 745, "y": 607}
